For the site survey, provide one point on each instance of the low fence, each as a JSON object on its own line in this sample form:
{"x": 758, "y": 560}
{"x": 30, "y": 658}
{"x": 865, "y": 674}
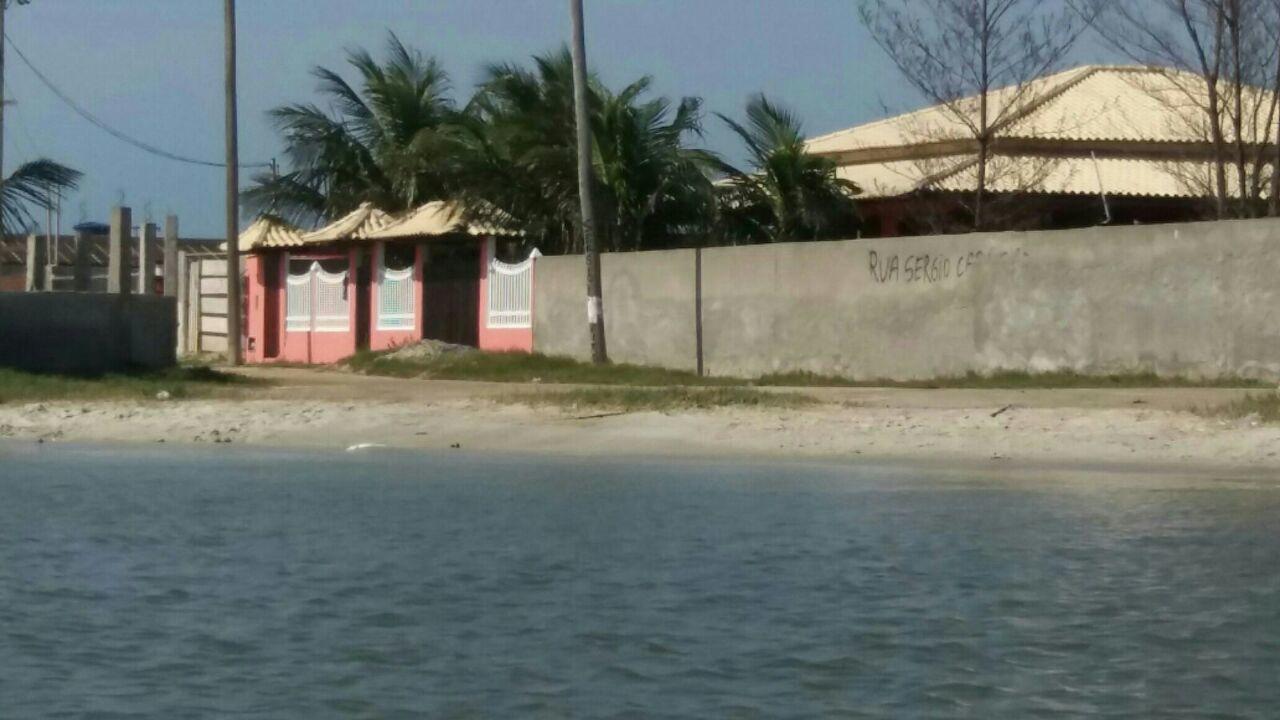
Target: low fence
{"x": 86, "y": 332}
{"x": 1198, "y": 299}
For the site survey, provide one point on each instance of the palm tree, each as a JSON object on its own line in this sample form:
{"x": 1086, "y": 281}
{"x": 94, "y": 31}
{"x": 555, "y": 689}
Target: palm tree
{"x": 518, "y": 159}
{"x": 657, "y": 190}
{"x": 31, "y": 185}
{"x": 521, "y": 158}
{"x": 788, "y": 194}
{"x": 388, "y": 142}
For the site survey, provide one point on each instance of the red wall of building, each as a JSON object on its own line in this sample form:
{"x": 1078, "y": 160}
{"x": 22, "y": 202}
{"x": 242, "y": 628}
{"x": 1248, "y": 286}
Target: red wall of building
{"x": 498, "y": 339}
{"x": 387, "y": 339}
{"x": 320, "y": 347}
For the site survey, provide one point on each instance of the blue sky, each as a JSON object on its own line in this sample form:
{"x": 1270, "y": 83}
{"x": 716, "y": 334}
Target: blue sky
{"x": 153, "y": 68}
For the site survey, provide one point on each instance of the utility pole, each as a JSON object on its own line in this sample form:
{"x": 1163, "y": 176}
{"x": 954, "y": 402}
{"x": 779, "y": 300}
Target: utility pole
{"x": 234, "y": 310}
{"x": 4, "y": 6}
{"x": 595, "y": 303}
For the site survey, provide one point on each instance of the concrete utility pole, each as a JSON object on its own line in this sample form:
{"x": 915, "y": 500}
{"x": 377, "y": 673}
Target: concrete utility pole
{"x": 595, "y": 303}
{"x": 233, "y": 193}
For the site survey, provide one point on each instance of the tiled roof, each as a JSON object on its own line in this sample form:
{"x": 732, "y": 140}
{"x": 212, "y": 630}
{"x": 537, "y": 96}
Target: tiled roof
{"x": 358, "y": 224}
{"x": 1070, "y": 176}
{"x": 1092, "y": 104}
{"x": 368, "y": 223}
{"x": 13, "y": 250}
{"x": 435, "y": 219}
{"x": 269, "y": 232}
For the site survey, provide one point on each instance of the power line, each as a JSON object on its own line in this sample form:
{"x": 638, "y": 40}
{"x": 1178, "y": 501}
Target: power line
{"x": 119, "y": 135}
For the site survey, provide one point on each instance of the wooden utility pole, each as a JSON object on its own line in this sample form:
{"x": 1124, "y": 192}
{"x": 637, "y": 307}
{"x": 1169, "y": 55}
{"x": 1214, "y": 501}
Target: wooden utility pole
{"x": 4, "y": 6}
{"x": 234, "y": 310}
{"x": 595, "y": 303}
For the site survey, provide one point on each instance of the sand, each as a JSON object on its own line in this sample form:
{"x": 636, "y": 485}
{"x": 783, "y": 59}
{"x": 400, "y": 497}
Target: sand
{"x": 1149, "y": 429}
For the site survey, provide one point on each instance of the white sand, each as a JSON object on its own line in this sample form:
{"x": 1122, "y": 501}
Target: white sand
{"x": 1058, "y": 428}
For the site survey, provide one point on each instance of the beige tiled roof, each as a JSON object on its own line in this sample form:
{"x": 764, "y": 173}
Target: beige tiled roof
{"x": 434, "y": 219}
{"x": 1079, "y": 106}
{"x": 271, "y": 233}
{"x": 356, "y": 225}
{"x": 1070, "y": 176}
{"x": 1094, "y": 102}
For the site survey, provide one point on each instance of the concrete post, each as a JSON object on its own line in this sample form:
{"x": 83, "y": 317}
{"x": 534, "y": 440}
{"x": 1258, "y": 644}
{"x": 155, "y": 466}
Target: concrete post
{"x": 37, "y": 263}
{"x": 147, "y": 248}
{"x": 180, "y": 286}
{"x": 82, "y": 280}
{"x": 193, "y": 306}
{"x": 118, "y": 255}
{"x": 171, "y": 256}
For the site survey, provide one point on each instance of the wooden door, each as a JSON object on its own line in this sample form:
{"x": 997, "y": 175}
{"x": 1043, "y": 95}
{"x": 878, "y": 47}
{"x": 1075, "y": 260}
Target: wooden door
{"x": 451, "y": 292}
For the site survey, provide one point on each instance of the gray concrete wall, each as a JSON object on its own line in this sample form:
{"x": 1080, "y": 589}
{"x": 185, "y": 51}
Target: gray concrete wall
{"x": 1200, "y": 300}
{"x": 653, "y": 293}
{"x": 86, "y": 332}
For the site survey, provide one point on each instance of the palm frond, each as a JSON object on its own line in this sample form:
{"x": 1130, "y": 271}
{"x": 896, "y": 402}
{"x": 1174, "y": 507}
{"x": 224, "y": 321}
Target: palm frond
{"x": 33, "y": 184}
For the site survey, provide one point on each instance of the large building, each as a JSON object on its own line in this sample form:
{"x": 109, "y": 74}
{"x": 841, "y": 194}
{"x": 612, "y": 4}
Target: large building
{"x": 1092, "y": 145}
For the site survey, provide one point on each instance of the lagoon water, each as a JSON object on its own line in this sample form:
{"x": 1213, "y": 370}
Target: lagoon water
{"x": 179, "y": 584}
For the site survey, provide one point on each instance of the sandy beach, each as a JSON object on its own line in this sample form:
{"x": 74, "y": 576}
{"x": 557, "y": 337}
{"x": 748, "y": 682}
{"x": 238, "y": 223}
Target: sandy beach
{"x": 1150, "y": 428}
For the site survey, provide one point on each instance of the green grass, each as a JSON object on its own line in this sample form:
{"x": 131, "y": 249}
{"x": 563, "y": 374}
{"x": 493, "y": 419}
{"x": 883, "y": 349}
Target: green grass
{"x": 196, "y": 381}
{"x": 1010, "y": 380}
{"x": 643, "y": 399}
{"x": 1265, "y": 407}
{"x": 524, "y": 367}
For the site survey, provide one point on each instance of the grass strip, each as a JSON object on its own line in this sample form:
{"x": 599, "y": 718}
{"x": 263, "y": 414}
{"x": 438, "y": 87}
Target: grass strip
{"x": 648, "y": 399}
{"x": 181, "y": 382}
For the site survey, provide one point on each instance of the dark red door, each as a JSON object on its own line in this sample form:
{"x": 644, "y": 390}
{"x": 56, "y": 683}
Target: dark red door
{"x": 451, "y": 293}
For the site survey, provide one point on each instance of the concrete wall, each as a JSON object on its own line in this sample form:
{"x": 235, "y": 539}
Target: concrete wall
{"x": 1199, "y": 299}
{"x": 649, "y": 307}
{"x": 86, "y": 332}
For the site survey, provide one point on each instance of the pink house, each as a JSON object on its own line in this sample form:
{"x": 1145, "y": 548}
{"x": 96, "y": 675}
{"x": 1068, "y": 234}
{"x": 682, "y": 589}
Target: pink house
{"x": 374, "y": 281}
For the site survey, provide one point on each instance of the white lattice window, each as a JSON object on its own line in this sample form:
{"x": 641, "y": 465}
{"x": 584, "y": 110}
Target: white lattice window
{"x": 396, "y": 302}
{"x": 332, "y": 306}
{"x": 297, "y": 316}
{"x": 510, "y": 299}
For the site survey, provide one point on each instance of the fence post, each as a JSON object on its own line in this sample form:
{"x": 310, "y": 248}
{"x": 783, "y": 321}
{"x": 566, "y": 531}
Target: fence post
{"x": 147, "y": 259}
{"x": 81, "y": 281}
{"x": 171, "y": 256}
{"x": 37, "y": 263}
{"x": 194, "y": 302}
{"x": 181, "y": 291}
{"x": 118, "y": 255}
{"x": 697, "y": 309}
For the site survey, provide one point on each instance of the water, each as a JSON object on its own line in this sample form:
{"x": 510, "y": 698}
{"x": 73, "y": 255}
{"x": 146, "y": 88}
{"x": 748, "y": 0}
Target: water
{"x": 243, "y": 584}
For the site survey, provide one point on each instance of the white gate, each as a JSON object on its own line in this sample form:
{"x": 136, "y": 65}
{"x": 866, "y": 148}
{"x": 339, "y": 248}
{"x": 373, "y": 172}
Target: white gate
{"x": 316, "y": 300}
{"x": 396, "y": 303}
{"x": 510, "y": 297}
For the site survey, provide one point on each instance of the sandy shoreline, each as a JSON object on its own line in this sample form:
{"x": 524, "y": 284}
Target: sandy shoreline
{"x": 1050, "y": 429}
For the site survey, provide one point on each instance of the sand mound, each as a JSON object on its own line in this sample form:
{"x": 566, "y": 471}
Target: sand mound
{"x": 427, "y": 350}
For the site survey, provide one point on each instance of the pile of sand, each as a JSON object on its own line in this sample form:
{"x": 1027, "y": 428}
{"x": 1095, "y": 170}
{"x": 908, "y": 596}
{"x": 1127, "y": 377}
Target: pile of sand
{"x": 427, "y": 350}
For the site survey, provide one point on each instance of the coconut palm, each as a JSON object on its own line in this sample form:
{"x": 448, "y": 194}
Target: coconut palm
{"x": 387, "y": 140}
{"x": 31, "y": 185}
{"x": 522, "y": 158}
{"x": 787, "y": 194}
{"x": 657, "y": 190}
{"x": 518, "y": 159}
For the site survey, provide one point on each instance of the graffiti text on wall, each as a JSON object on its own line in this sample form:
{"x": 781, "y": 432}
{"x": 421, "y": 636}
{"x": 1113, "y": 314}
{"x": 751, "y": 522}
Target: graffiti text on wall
{"x": 922, "y": 268}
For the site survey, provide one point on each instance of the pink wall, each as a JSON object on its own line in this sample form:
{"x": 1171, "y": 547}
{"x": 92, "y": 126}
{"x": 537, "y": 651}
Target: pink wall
{"x": 498, "y": 339}
{"x": 387, "y": 339}
{"x": 256, "y": 300}
{"x": 320, "y": 347}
